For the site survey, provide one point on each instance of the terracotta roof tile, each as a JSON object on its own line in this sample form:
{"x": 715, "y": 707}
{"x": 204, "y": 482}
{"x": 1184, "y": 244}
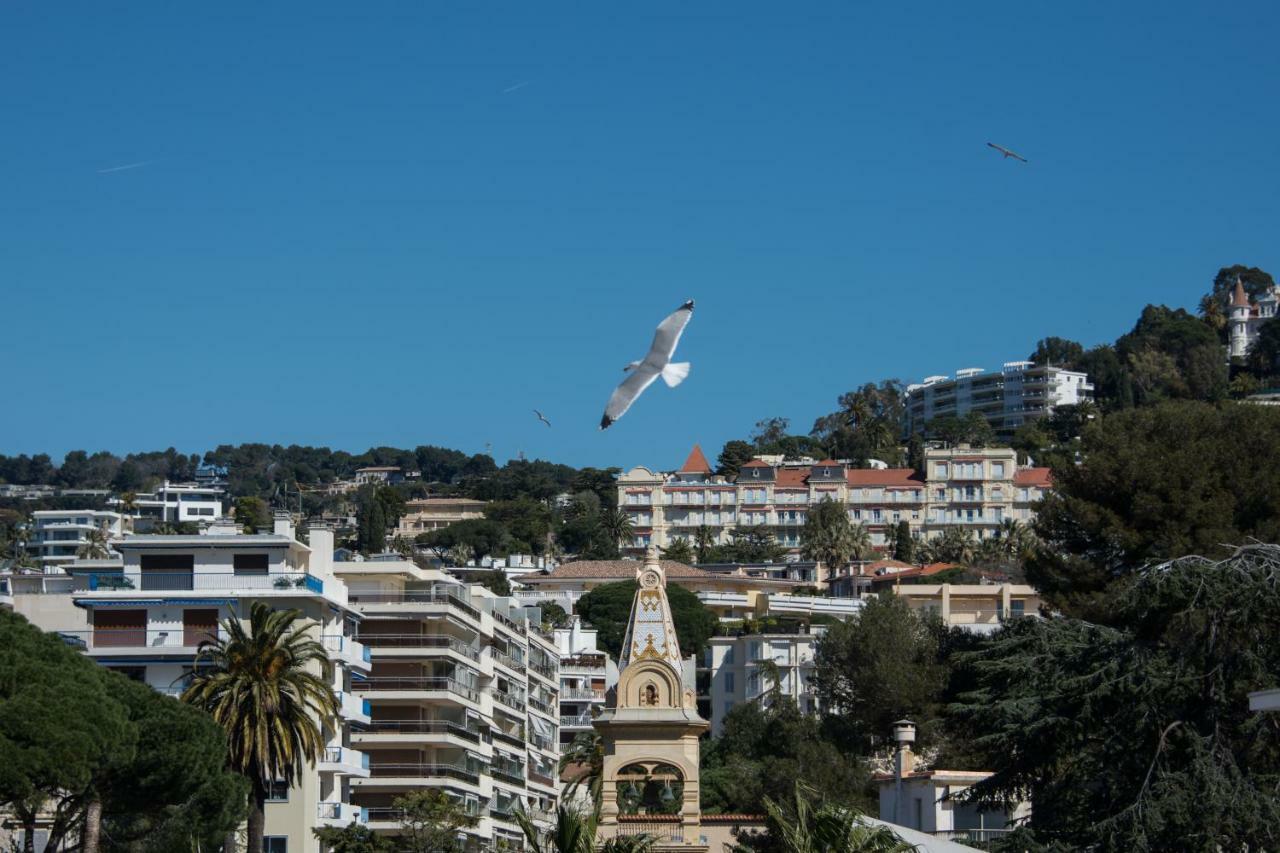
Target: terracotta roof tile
{"x": 791, "y": 478}
{"x": 756, "y": 463}
{"x": 696, "y": 463}
{"x": 618, "y": 569}
{"x": 1238, "y": 296}
{"x": 1033, "y": 477}
{"x": 883, "y": 477}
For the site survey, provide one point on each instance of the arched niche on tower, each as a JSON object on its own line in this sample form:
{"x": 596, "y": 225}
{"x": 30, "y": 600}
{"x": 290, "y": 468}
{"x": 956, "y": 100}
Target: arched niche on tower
{"x": 650, "y": 684}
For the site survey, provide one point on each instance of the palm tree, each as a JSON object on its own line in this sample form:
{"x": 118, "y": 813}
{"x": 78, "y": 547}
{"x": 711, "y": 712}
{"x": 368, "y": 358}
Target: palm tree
{"x": 827, "y": 829}
{"x": 1016, "y": 538}
{"x": 829, "y": 538}
{"x": 703, "y": 540}
{"x": 586, "y": 754}
{"x": 128, "y": 503}
{"x": 576, "y": 833}
{"x": 862, "y": 547}
{"x": 616, "y": 525}
{"x": 268, "y": 687}
{"x": 97, "y": 544}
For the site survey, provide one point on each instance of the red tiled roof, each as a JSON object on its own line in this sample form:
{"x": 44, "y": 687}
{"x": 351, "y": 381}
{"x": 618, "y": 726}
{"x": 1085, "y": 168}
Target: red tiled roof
{"x": 616, "y": 569}
{"x": 872, "y": 568}
{"x": 883, "y": 477}
{"x": 1238, "y": 297}
{"x": 790, "y": 478}
{"x": 830, "y": 463}
{"x": 696, "y": 463}
{"x": 755, "y": 463}
{"x": 1033, "y": 477}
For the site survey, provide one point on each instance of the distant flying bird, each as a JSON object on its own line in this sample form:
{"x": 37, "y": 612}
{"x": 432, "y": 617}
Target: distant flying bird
{"x": 1006, "y": 152}
{"x": 656, "y": 363}
{"x": 542, "y": 417}
{"x": 520, "y": 85}
{"x": 125, "y": 167}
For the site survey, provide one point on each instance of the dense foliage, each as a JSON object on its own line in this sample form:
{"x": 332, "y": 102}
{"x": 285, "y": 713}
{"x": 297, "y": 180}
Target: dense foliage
{"x": 607, "y": 608}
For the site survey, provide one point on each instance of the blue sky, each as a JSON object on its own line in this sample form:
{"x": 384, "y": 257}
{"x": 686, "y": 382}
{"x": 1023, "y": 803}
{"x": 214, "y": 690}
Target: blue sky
{"x": 411, "y": 223}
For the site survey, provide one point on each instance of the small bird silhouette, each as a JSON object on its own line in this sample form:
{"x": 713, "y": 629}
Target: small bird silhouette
{"x": 542, "y": 417}
{"x": 1006, "y": 152}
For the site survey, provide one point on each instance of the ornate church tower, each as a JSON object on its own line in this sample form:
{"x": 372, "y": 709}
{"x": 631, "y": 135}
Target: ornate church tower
{"x": 1239, "y": 320}
{"x": 650, "y": 728}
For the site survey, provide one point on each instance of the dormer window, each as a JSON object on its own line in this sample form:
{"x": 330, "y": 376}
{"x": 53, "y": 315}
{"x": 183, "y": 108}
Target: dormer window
{"x": 826, "y": 472}
{"x": 755, "y": 472}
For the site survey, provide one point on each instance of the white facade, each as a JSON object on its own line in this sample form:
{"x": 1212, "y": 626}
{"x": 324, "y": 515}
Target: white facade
{"x": 1245, "y": 318}
{"x": 58, "y": 535}
{"x": 1022, "y": 391}
{"x": 463, "y": 696}
{"x": 737, "y": 676}
{"x": 586, "y": 674}
{"x": 174, "y": 503}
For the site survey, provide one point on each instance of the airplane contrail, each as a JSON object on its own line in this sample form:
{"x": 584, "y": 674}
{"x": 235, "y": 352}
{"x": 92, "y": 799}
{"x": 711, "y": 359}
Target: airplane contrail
{"x": 124, "y": 167}
{"x": 520, "y": 85}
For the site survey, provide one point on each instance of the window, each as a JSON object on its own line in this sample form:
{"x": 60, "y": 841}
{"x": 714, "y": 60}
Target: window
{"x": 278, "y": 791}
{"x": 250, "y": 564}
{"x": 167, "y": 571}
{"x": 997, "y": 470}
{"x": 276, "y": 844}
{"x": 728, "y": 656}
{"x": 941, "y": 469}
{"x": 728, "y": 682}
{"x": 1018, "y": 607}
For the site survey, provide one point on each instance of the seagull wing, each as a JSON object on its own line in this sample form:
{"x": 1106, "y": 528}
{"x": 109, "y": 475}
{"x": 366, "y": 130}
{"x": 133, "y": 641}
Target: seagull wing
{"x": 666, "y": 337}
{"x": 633, "y": 386}
{"x": 997, "y": 147}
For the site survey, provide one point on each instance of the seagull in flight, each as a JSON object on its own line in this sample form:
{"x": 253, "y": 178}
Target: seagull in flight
{"x": 542, "y": 417}
{"x": 1006, "y": 152}
{"x": 656, "y": 363}
{"x": 126, "y": 167}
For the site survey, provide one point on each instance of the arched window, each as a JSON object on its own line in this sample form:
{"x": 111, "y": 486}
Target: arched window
{"x": 649, "y": 696}
{"x": 650, "y": 788}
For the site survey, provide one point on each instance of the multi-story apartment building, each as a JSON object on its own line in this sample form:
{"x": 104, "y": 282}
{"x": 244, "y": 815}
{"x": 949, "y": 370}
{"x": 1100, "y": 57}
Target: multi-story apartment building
{"x": 741, "y": 669}
{"x": 463, "y": 697}
{"x": 58, "y": 535}
{"x": 172, "y": 503}
{"x": 974, "y": 488}
{"x": 980, "y": 608}
{"x": 147, "y": 615}
{"x": 1022, "y": 391}
{"x": 427, "y": 514}
{"x": 586, "y": 674}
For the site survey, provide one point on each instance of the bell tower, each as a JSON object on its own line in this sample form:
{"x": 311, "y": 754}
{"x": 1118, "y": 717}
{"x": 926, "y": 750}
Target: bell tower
{"x": 650, "y": 729}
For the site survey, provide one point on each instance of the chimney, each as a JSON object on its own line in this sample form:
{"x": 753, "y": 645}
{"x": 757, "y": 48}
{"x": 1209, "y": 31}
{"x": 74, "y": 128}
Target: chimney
{"x": 283, "y": 524}
{"x": 904, "y": 762}
{"x": 321, "y": 541}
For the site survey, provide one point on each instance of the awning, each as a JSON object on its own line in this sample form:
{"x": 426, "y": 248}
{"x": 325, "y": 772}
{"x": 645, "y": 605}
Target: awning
{"x": 542, "y": 727}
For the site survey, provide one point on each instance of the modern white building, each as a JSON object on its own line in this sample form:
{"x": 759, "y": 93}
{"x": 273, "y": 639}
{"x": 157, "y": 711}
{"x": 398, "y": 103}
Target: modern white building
{"x": 146, "y": 616}
{"x": 586, "y": 674}
{"x": 742, "y": 668}
{"x": 172, "y": 503}
{"x": 463, "y": 697}
{"x": 1022, "y": 391}
{"x": 1246, "y": 316}
{"x": 58, "y": 535}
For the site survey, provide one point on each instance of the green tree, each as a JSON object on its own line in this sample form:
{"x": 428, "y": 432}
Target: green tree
{"x": 880, "y": 667}
{"x": 703, "y": 541}
{"x": 97, "y": 544}
{"x": 1214, "y": 304}
{"x": 268, "y": 687}
{"x": 554, "y": 615}
{"x": 371, "y": 522}
{"x": 607, "y": 608}
{"x": 528, "y": 523}
{"x": 1140, "y": 737}
{"x": 972, "y": 429}
{"x": 830, "y": 538}
{"x": 953, "y": 545}
{"x": 615, "y": 524}
{"x": 477, "y": 537}
{"x": 585, "y": 757}
{"x": 252, "y": 514}
{"x": 59, "y": 727}
{"x": 904, "y": 543}
{"x": 1263, "y": 357}
{"x": 799, "y": 827}
{"x": 431, "y": 821}
{"x": 751, "y": 544}
{"x": 1058, "y": 352}
{"x": 354, "y": 838}
{"x": 1156, "y": 483}
{"x": 496, "y": 581}
{"x": 576, "y": 833}
{"x": 679, "y": 550}
{"x": 867, "y": 424}
{"x": 732, "y": 457}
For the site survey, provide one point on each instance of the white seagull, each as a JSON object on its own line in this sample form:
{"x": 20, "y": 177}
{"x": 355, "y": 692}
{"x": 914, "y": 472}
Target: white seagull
{"x": 656, "y": 363}
{"x": 542, "y": 417}
{"x": 1006, "y": 152}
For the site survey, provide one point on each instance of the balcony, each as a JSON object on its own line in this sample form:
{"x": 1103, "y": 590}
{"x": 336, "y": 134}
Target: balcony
{"x": 587, "y": 694}
{"x": 344, "y": 760}
{"x": 340, "y": 814}
{"x": 382, "y": 644}
{"x": 177, "y": 640}
{"x": 580, "y": 721}
{"x": 543, "y": 707}
{"x": 511, "y": 700}
{"x": 398, "y": 688}
{"x": 353, "y": 708}
{"x": 385, "y": 732}
{"x": 274, "y": 583}
{"x": 348, "y": 650}
{"x": 662, "y": 829}
{"x": 459, "y": 772}
{"x": 508, "y": 623}
{"x": 508, "y": 661}
{"x": 396, "y": 601}
{"x": 578, "y": 664}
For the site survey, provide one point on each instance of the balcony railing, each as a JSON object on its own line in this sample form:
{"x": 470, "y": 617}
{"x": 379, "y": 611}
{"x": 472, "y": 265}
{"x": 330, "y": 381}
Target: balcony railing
{"x": 420, "y": 641}
{"x": 382, "y": 770}
{"x": 511, "y": 700}
{"x": 577, "y": 693}
{"x": 391, "y": 684}
{"x": 503, "y": 619}
{"x": 416, "y": 598}
{"x": 507, "y": 660}
{"x": 539, "y": 705}
{"x": 545, "y": 670}
{"x": 579, "y": 721}
{"x": 151, "y": 638}
{"x": 343, "y": 755}
{"x": 195, "y": 581}
{"x": 423, "y": 727}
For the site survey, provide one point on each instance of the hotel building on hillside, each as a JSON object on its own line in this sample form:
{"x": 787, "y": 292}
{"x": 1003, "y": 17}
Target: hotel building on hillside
{"x": 427, "y": 514}
{"x": 462, "y": 696}
{"x": 146, "y": 614}
{"x": 175, "y": 503}
{"x": 1022, "y": 391}
{"x": 737, "y": 670}
{"x": 974, "y": 488}
{"x": 58, "y": 535}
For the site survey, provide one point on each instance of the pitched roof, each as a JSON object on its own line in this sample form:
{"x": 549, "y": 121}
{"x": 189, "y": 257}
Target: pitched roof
{"x": 1238, "y": 296}
{"x": 1042, "y": 477}
{"x": 615, "y": 569}
{"x": 755, "y": 463}
{"x": 791, "y": 478}
{"x": 883, "y": 477}
{"x": 696, "y": 463}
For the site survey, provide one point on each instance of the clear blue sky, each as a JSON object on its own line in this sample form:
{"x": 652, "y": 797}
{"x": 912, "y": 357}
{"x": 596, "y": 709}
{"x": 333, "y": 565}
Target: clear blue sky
{"x": 404, "y": 224}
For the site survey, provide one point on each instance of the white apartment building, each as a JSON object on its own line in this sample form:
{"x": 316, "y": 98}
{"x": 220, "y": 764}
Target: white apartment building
{"x": 146, "y": 615}
{"x": 1022, "y": 391}
{"x": 172, "y": 503}
{"x": 975, "y": 488}
{"x": 586, "y": 674}
{"x": 463, "y": 696}
{"x": 57, "y": 535}
{"x": 737, "y": 676}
